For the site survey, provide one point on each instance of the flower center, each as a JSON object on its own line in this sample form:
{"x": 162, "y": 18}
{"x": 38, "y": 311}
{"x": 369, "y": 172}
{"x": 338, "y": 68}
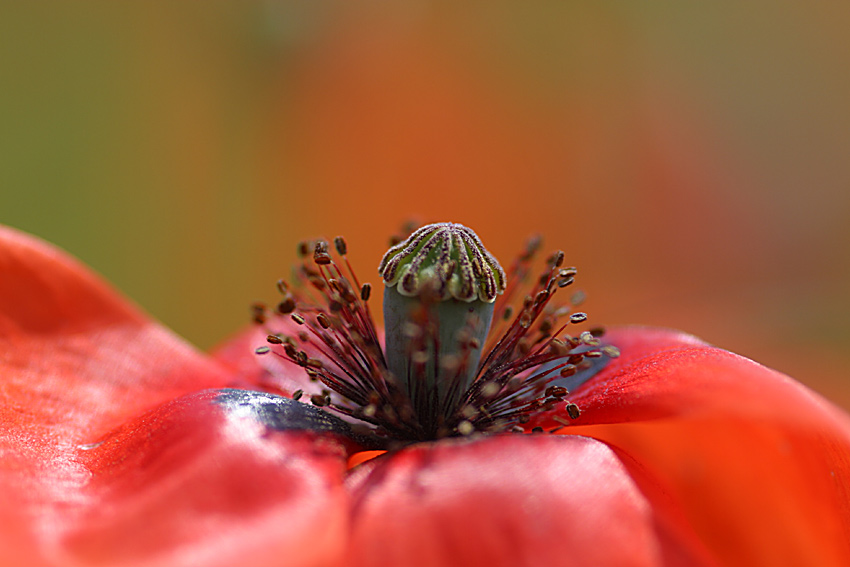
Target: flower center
{"x": 457, "y": 360}
{"x": 439, "y": 296}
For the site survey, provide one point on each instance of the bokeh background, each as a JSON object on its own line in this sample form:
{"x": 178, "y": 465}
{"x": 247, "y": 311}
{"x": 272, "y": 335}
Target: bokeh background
{"x": 692, "y": 159}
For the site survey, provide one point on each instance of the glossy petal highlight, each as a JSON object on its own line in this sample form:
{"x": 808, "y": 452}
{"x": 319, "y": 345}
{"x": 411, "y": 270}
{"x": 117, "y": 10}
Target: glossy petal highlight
{"x": 193, "y": 484}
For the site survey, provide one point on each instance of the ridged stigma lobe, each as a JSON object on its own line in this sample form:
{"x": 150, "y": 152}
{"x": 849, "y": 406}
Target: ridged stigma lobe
{"x": 446, "y": 259}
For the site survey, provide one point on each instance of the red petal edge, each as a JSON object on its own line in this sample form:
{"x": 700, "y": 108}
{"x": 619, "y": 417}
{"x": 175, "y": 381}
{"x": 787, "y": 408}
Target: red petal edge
{"x": 76, "y": 359}
{"x": 755, "y": 463}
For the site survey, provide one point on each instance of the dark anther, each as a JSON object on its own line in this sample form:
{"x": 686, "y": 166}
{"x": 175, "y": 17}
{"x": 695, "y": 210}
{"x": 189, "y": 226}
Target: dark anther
{"x": 557, "y": 259}
{"x": 578, "y": 317}
{"x": 366, "y": 291}
{"x": 274, "y": 340}
{"x": 323, "y": 320}
{"x": 320, "y": 254}
{"x": 319, "y": 400}
{"x": 568, "y": 370}
{"x": 303, "y": 248}
{"x": 341, "y": 248}
{"x": 556, "y": 391}
{"x": 286, "y": 306}
{"x": 298, "y": 318}
{"x": 573, "y": 411}
{"x": 258, "y": 313}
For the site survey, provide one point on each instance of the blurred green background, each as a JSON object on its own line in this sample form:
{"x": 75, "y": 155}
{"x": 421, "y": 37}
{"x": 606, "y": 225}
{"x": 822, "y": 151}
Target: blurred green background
{"x": 691, "y": 158}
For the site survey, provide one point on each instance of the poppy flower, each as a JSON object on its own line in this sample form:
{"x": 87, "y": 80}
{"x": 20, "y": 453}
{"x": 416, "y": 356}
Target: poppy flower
{"x": 122, "y": 445}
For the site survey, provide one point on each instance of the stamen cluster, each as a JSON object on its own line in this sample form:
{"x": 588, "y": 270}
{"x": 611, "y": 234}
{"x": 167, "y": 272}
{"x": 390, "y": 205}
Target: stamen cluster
{"x": 323, "y": 325}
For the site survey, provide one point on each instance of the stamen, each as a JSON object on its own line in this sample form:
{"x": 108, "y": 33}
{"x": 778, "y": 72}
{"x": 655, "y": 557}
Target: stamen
{"x": 439, "y": 375}
{"x": 258, "y": 311}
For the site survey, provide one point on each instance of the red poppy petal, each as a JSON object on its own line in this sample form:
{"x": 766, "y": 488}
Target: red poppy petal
{"x": 76, "y": 356}
{"x": 191, "y": 484}
{"x": 509, "y": 500}
{"x": 76, "y": 359}
{"x": 755, "y": 462}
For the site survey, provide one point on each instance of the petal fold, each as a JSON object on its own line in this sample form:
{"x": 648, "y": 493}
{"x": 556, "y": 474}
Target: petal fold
{"x": 194, "y": 483}
{"x": 509, "y": 500}
{"x": 76, "y": 360}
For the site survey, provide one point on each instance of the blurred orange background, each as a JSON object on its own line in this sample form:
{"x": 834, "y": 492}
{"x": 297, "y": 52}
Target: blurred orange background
{"x": 691, "y": 159}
